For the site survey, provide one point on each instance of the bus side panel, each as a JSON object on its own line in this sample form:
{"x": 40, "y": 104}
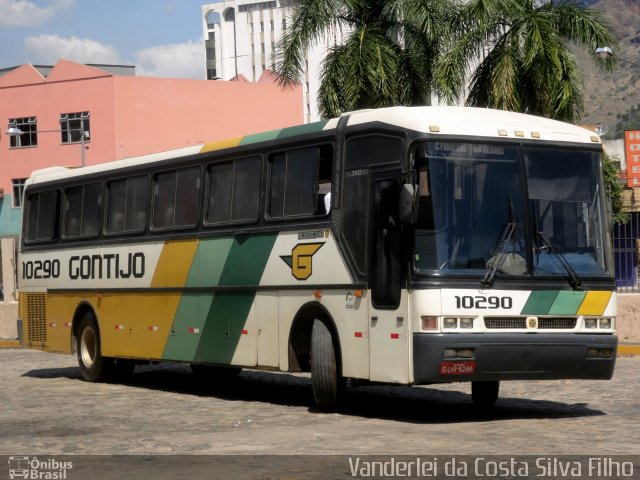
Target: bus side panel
{"x": 219, "y": 326}
{"x": 350, "y": 314}
{"x": 120, "y": 318}
{"x": 266, "y": 321}
{"x": 45, "y": 325}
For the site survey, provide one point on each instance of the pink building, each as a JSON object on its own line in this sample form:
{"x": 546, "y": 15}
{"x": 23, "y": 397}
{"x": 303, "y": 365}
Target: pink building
{"x": 124, "y": 116}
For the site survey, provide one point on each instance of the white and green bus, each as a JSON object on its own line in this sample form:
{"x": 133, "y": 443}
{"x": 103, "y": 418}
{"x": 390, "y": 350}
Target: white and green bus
{"x": 406, "y": 245}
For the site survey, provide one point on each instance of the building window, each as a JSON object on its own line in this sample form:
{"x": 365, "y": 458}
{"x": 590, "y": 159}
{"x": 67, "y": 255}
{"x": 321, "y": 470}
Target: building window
{"x": 28, "y": 127}
{"x": 72, "y": 126}
{"x": 18, "y": 190}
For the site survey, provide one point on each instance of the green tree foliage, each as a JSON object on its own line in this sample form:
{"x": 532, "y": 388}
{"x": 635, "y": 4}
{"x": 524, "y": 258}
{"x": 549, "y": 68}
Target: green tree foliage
{"x": 614, "y": 187}
{"x": 387, "y": 56}
{"x": 516, "y": 53}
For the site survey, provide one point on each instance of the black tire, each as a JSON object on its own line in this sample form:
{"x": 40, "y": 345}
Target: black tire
{"x": 325, "y": 376}
{"x": 485, "y": 394}
{"x": 215, "y": 372}
{"x": 93, "y": 366}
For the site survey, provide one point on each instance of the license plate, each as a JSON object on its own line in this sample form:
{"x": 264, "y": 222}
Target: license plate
{"x": 467, "y": 367}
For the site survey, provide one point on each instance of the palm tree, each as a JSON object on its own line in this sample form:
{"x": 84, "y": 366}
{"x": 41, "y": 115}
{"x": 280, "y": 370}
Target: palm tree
{"x": 517, "y": 56}
{"x": 386, "y": 57}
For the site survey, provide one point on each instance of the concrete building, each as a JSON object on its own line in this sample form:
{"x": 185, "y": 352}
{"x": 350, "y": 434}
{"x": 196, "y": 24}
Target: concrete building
{"x": 123, "y": 116}
{"x": 241, "y": 38}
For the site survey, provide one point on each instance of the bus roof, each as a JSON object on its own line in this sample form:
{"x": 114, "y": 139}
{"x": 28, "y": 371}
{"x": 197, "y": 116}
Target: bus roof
{"x": 458, "y": 121}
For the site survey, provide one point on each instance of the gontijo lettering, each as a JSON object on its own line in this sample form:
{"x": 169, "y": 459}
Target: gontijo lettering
{"x": 109, "y": 265}
{"x": 84, "y": 267}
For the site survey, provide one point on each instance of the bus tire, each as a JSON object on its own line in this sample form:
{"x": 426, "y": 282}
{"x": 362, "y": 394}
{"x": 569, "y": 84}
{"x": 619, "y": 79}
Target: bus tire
{"x": 485, "y": 394}
{"x": 93, "y": 366}
{"x": 325, "y": 377}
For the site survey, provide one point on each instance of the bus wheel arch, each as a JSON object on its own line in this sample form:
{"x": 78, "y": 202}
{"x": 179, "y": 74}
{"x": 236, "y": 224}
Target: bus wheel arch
{"x": 314, "y": 346}
{"x": 82, "y": 309}
{"x": 94, "y": 367}
{"x": 300, "y": 337}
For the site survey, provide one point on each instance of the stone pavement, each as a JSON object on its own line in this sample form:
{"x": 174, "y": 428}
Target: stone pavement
{"x": 46, "y": 409}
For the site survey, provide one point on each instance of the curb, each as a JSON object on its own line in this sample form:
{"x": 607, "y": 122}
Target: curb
{"x": 626, "y": 349}
{"x": 9, "y": 344}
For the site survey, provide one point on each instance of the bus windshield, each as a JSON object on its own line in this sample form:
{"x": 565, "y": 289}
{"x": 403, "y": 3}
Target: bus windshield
{"x": 518, "y": 211}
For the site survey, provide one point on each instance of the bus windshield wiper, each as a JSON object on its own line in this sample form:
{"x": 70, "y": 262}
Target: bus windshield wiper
{"x": 501, "y": 247}
{"x": 573, "y": 277}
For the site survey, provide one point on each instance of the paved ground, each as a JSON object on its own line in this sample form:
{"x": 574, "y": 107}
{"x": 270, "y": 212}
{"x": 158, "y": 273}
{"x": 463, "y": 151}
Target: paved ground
{"x": 46, "y": 409}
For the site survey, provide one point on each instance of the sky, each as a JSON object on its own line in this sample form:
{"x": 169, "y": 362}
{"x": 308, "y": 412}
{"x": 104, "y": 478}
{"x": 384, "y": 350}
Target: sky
{"x": 162, "y": 38}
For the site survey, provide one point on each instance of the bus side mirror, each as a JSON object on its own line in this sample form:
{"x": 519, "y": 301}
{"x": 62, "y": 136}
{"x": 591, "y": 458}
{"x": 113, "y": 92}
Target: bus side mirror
{"x": 407, "y": 203}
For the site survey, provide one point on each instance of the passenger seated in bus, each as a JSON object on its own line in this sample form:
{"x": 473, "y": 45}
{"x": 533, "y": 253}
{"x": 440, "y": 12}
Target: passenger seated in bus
{"x": 327, "y": 202}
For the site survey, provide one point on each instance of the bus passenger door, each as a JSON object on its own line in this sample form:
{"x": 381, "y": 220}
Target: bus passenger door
{"x": 389, "y": 326}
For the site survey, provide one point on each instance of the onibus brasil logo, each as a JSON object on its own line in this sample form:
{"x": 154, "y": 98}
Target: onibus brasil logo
{"x": 300, "y": 259}
{"x": 36, "y": 469}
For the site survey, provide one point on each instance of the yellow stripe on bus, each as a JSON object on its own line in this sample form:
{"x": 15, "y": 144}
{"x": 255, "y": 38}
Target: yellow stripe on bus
{"x": 228, "y": 143}
{"x": 594, "y": 303}
{"x": 174, "y": 263}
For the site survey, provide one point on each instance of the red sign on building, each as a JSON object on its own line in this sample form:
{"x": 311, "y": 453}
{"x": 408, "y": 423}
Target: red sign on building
{"x": 632, "y": 155}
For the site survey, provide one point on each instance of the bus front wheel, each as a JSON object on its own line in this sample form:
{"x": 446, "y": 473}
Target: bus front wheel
{"x": 325, "y": 377}
{"x": 93, "y": 366}
{"x": 485, "y": 394}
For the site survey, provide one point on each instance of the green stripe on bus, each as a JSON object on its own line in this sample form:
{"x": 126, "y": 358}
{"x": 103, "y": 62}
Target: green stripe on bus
{"x": 184, "y": 338}
{"x": 206, "y": 270}
{"x": 302, "y": 129}
{"x": 229, "y": 310}
{"x": 209, "y": 262}
{"x": 567, "y": 303}
{"x": 260, "y": 137}
{"x": 539, "y": 303}
{"x": 247, "y": 259}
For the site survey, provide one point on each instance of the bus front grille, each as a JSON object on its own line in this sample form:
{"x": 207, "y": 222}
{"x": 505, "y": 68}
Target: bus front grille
{"x": 505, "y": 322}
{"x": 557, "y": 323}
{"x": 551, "y": 323}
{"x": 36, "y": 317}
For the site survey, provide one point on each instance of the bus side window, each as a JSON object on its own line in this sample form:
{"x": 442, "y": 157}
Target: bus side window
{"x": 234, "y": 191}
{"x": 177, "y": 198}
{"x": 127, "y": 205}
{"x": 299, "y": 180}
{"x": 82, "y": 210}
{"x": 42, "y": 216}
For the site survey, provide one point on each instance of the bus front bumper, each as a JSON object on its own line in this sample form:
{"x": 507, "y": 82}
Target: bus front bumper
{"x": 512, "y": 356}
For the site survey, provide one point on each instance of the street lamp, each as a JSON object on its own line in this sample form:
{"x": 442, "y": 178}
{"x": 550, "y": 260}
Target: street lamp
{"x": 607, "y": 52}
{"x": 16, "y": 132}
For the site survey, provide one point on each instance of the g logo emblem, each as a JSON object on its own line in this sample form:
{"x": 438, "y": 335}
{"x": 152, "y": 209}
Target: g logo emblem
{"x": 300, "y": 259}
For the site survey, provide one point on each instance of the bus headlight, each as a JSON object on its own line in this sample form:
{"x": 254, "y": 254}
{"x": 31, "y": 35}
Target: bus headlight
{"x": 590, "y": 323}
{"x": 605, "y": 323}
{"x": 466, "y": 323}
{"x": 450, "y": 322}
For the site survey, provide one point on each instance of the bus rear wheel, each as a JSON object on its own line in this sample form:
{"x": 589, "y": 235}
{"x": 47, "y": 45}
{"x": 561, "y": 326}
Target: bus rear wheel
{"x": 485, "y": 394}
{"x": 325, "y": 377}
{"x": 93, "y": 366}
